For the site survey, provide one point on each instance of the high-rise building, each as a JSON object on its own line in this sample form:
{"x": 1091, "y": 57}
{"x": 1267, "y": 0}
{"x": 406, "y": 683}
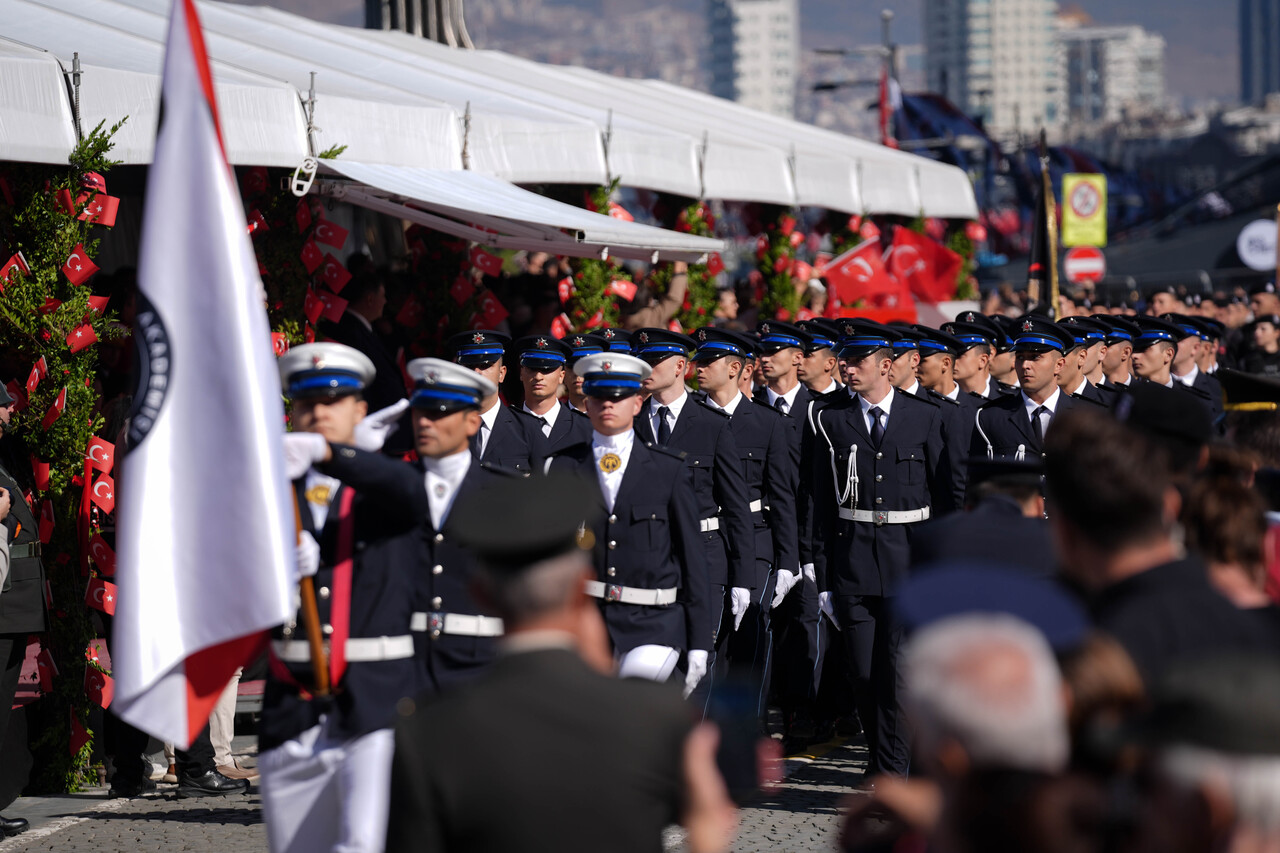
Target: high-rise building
{"x": 439, "y": 20}
{"x": 1259, "y": 49}
{"x": 755, "y": 52}
{"x": 996, "y": 59}
{"x": 1110, "y": 71}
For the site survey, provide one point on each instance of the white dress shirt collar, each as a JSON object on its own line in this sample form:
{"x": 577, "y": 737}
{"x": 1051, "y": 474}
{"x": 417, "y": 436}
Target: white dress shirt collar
{"x": 676, "y": 406}
{"x": 731, "y": 407}
{"x": 1051, "y": 404}
{"x": 790, "y": 397}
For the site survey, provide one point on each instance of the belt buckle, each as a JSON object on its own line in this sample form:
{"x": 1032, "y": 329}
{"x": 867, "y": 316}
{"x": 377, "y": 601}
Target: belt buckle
{"x": 882, "y": 517}
{"x": 612, "y": 592}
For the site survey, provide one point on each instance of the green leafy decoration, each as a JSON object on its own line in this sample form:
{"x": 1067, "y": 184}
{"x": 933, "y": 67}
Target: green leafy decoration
{"x": 775, "y": 258}
{"x": 700, "y": 300}
{"x": 592, "y": 303}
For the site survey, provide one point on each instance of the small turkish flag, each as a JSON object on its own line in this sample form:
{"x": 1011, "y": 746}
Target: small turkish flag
{"x": 15, "y": 391}
{"x": 40, "y": 470}
{"x": 99, "y": 686}
{"x": 334, "y": 306}
{"x": 103, "y": 557}
{"x": 79, "y": 266}
{"x": 308, "y": 334}
{"x": 63, "y": 200}
{"x": 101, "y": 454}
{"x": 81, "y": 337}
{"x": 491, "y": 310}
{"x": 335, "y": 274}
{"x": 462, "y": 289}
{"x": 79, "y": 737}
{"x": 617, "y": 211}
{"x": 257, "y": 222}
{"x": 101, "y": 209}
{"x": 255, "y": 181}
{"x": 55, "y": 411}
{"x": 16, "y": 262}
{"x": 329, "y": 234}
{"x": 46, "y": 521}
{"x": 50, "y": 305}
{"x": 485, "y": 262}
{"x": 565, "y": 288}
{"x": 103, "y": 493}
{"x": 312, "y": 307}
{"x": 47, "y": 670}
{"x": 623, "y": 288}
{"x": 279, "y": 343}
{"x": 560, "y": 327}
{"x": 410, "y": 313}
{"x": 41, "y": 366}
{"x": 715, "y": 265}
{"x": 33, "y": 379}
{"x": 97, "y": 305}
{"x": 303, "y": 215}
{"x": 101, "y": 595}
{"x": 312, "y": 257}
{"x": 675, "y": 326}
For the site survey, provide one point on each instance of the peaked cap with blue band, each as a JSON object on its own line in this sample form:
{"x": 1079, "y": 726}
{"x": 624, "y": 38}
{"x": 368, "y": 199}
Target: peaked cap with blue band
{"x": 1040, "y": 334}
{"x": 616, "y": 340}
{"x": 1086, "y": 330}
{"x": 859, "y": 338}
{"x": 442, "y": 386}
{"x": 324, "y": 370}
{"x": 936, "y": 342}
{"x": 581, "y": 345}
{"x": 611, "y": 375}
{"x": 716, "y": 343}
{"x": 1152, "y": 331}
{"x": 1187, "y": 326}
{"x": 542, "y": 352}
{"x": 482, "y": 346}
{"x": 1120, "y": 330}
{"x": 776, "y": 335}
{"x": 661, "y": 343}
{"x": 972, "y": 329}
{"x": 823, "y": 334}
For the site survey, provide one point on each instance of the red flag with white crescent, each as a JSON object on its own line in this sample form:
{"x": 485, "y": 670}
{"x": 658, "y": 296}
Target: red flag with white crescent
{"x": 171, "y": 661}
{"x": 101, "y": 454}
{"x": 103, "y": 493}
{"x": 99, "y": 686}
{"x": 79, "y": 266}
{"x": 101, "y": 595}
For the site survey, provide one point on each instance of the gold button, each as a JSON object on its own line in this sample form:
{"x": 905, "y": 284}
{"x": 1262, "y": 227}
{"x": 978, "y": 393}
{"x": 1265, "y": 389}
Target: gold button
{"x": 439, "y": 537}
{"x": 612, "y": 544}
{"x": 612, "y": 571}
{"x": 324, "y": 592}
{"x": 435, "y": 570}
{"x": 437, "y": 601}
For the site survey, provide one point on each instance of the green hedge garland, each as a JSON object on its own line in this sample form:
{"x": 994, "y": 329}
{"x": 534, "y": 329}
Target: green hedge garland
{"x": 590, "y": 298}
{"x": 700, "y": 300}
{"x": 775, "y": 258}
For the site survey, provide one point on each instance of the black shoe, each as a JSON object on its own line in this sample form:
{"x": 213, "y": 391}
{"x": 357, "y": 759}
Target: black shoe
{"x": 211, "y": 784}
{"x": 128, "y": 790}
{"x": 11, "y": 826}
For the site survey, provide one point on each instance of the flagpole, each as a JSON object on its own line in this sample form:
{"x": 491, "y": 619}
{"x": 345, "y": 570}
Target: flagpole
{"x": 311, "y": 616}
{"x": 1051, "y": 215}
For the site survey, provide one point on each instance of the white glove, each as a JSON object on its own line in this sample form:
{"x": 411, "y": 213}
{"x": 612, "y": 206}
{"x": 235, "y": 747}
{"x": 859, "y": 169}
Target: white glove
{"x": 809, "y": 574}
{"x": 308, "y": 555}
{"x": 825, "y": 608}
{"x": 375, "y": 429}
{"x": 739, "y": 601}
{"x": 786, "y": 580}
{"x": 301, "y": 451}
{"x": 697, "y": 669}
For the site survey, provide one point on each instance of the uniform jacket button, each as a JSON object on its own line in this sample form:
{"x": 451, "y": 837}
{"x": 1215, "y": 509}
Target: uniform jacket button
{"x": 879, "y": 500}
{"x": 879, "y": 477}
{"x": 328, "y": 629}
{"x": 612, "y": 571}
{"x": 435, "y": 633}
{"x": 880, "y": 455}
{"x": 613, "y": 519}
{"x": 439, "y": 537}
{"x": 324, "y": 592}
{"x": 435, "y": 570}
{"x": 612, "y": 544}
{"x": 437, "y": 601}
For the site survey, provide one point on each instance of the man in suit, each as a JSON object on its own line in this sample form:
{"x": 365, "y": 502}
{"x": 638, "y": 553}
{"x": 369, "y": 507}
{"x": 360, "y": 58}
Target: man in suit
{"x": 1087, "y": 343}
{"x": 544, "y": 752}
{"x": 877, "y": 467}
{"x": 22, "y": 609}
{"x": 762, "y": 439}
{"x": 507, "y": 438}
{"x": 648, "y": 552}
{"x": 543, "y": 364}
{"x": 979, "y": 336}
{"x": 675, "y": 419}
{"x": 1014, "y": 425}
{"x": 1184, "y": 368}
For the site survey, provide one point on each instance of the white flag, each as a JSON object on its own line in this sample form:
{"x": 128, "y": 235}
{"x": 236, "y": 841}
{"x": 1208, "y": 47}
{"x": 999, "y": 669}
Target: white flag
{"x": 205, "y": 529}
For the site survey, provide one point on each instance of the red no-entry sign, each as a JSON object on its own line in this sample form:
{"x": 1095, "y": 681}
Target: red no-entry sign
{"x": 1084, "y": 263}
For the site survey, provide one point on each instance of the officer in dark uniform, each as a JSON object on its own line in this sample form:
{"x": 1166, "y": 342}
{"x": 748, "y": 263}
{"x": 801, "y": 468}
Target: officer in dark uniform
{"x": 1088, "y": 340}
{"x": 1184, "y": 368}
{"x": 617, "y": 340}
{"x": 937, "y": 359}
{"x": 762, "y": 439}
{"x": 508, "y": 438}
{"x": 782, "y": 347}
{"x": 819, "y": 364}
{"x": 979, "y": 337}
{"x": 877, "y": 466}
{"x": 1002, "y": 363}
{"x": 588, "y": 343}
{"x": 543, "y": 361}
{"x": 1014, "y": 425}
{"x": 647, "y": 552}
{"x": 1116, "y": 363}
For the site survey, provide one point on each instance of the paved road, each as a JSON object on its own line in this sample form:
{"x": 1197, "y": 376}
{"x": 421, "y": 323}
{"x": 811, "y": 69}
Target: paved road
{"x": 801, "y": 815}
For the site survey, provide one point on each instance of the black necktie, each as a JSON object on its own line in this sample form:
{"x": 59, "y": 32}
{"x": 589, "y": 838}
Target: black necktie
{"x": 877, "y": 430}
{"x": 1037, "y": 426}
{"x": 664, "y": 431}
{"x": 781, "y": 404}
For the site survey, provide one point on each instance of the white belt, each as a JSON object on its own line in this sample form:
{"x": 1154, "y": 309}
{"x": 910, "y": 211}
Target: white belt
{"x": 709, "y": 524}
{"x": 629, "y": 594}
{"x": 756, "y": 506}
{"x": 359, "y": 649}
{"x": 456, "y": 623}
{"x": 885, "y": 516}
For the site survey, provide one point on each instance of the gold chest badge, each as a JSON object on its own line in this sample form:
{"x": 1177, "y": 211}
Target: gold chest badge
{"x": 610, "y": 462}
{"x": 319, "y": 494}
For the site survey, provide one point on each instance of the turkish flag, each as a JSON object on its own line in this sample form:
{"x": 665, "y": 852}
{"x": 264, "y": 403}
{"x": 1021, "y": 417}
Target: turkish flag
{"x": 303, "y": 215}
{"x": 312, "y": 307}
{"x": 101, "y": 454}
{"x": 308, "y": 334}
{"x": 79, "y": 266}
{"x": 81, "y": 337}
{"x": 41, "y": 366}
{"x": 100, "y": 210}
{"x": 329, "y": 234}
{"x": 47, "y": 670}
{"x": 79, "y": 737}
{"x": 491, "y": 310}
{"x": 254, "y": 181}
{"x": 33, "y": 379}
{"x": 101, "y": 595}
{"x": 103, "y": 557}
{"x": 334, "y": 306}
{"x": 279, "y": 343}
{"x": 926, "y": 266}
{"x": 312, "y": 257}
{"x": 715, "y": 264}
{"x": 869, "y": 230}
{"x": 410, "y": 313}
{"x": 335, "y": 274}
{"x": 623, "y": 288}
{"x": 16, "y": 262}
{"x": 485, "y": 262}
{"x": 560, "y": 327}
{"x": 55, "y": 411}
{"x": 97, "y": 305}
{"x": 99, "y": 686}
{"x": 50, "y": 305}
{"x": 46, "y": 521}
{"x": 565, "y": 288}
{"x": 40, "y": 471}
{"x": 257, "y": 222}
{"x": 462, "y": 289}
{"x": 617, "y": 211}
{"x": 675, "y": 326}
{"x": 104, "y": 493}
{"x": 64, "y": 203}
{"x": 860, "y": 274}
{"x": 597, "y": 320}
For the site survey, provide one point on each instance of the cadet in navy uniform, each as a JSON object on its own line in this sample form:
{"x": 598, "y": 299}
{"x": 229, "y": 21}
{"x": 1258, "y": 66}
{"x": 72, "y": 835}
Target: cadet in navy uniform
{"x": 542, "y": 370}
{"x": 1088, "y": 340}
{"x": 647, "y": 552}
{"x": 763, "y": 441}
{"x": 819, "y": 363}
{"x": 979, "y": 337}
{"x": 1014, "y": 425}
{"x": 878, "y": 465}
{"x": 579, "y": 345}
{"x": 782, "y": 348}
{"x": 325, "y": 761}
{"x": 937, "y": 359}
{"x": 673, "y": 418}
{"x": 508, "y": 438}
{"x": 1116, "y": 363}
{"x": 1184, "y": 368}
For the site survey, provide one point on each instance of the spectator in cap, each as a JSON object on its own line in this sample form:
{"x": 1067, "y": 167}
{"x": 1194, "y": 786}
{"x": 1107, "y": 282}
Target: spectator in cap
{"x": 1265, "y": 357}
{"x": 508, "y": 438}
{"x": 1084, "y": 358}
{"x": 1014, "y": 425}
{"x": 1116, "y": 361}
{"x": 1264, "y": 299}
{"x": 544, "y": 714}
{"x": 648, "y": 552}
{"x": 1184, "y": 369}
{"x": 543, "y": 365}
{"x": 978, "y": 336}
{"x": 782, "y": 348}
{"x": 1163, "y": 300}
{"x": 818, "y": 367}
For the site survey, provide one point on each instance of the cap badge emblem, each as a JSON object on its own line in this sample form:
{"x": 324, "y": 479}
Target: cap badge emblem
{"x": 541, "y": 343}
{"x": 1027, "y": 325}
{"x": 608, "y": 365}
{"x": 702, "y": 334}
{"x": 433, "y": 375}
{"x": 968, "y": 317}
{"x": 764, "y": 329}
{"x": 609, "y": 334}
{"x": 644, "y": 337}
{"x": 317, "y": 362}
{"x": 477, "y": 338}
{"x": 579, "y": 341}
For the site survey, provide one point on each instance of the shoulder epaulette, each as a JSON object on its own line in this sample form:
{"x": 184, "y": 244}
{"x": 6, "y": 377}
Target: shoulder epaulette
{"x": 1083, "y": 399}
{"x": 504, "y": 471}
{"x": 941, "y": 399}
{"x": 668, "y": 451}
{"x": 916, "y": 398}
{"x": 710, "y": 408}
{"x": 528, "y": 418}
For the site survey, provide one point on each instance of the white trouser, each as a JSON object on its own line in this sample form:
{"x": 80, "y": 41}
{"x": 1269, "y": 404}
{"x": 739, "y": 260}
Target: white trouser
{"x": 652, "y": 662}
{"x": 327, "y": 795}
{"x": 222, "y": 723}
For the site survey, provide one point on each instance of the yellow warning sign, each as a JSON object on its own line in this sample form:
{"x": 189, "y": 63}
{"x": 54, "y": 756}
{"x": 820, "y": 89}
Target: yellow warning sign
{"x": 1084, "y": 210}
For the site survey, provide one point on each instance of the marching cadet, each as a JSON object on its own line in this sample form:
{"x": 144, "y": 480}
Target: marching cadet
{"x": 1087, "y": 342}
{"x": 673, "y": 418}
{"x": 325, "y": 761}
{"x": 1154, "y": 351}
{"x": 750, "y": 368}
{"x": 617, "y": 340}
{"x": 1002, "y": 365}
{"x": 1116, "y": 360}
{"x": 543, "y": 364}
{"x": 647, "y": 551}
{"x": 580, "y": 345}
{"x": 1184, "y": 368}
{"x": 937, "y": 357}
{"x": 877, "y": 466}
{"x": 904, "y": 373}
{"x": 819, "y": 366}
{"x": 763, "y": 440}
{"x": 782, "y": 348}
{"x": 1013, "y": 425}
{"x": 508, "y": 438}
{"x": 978, "y": 336}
